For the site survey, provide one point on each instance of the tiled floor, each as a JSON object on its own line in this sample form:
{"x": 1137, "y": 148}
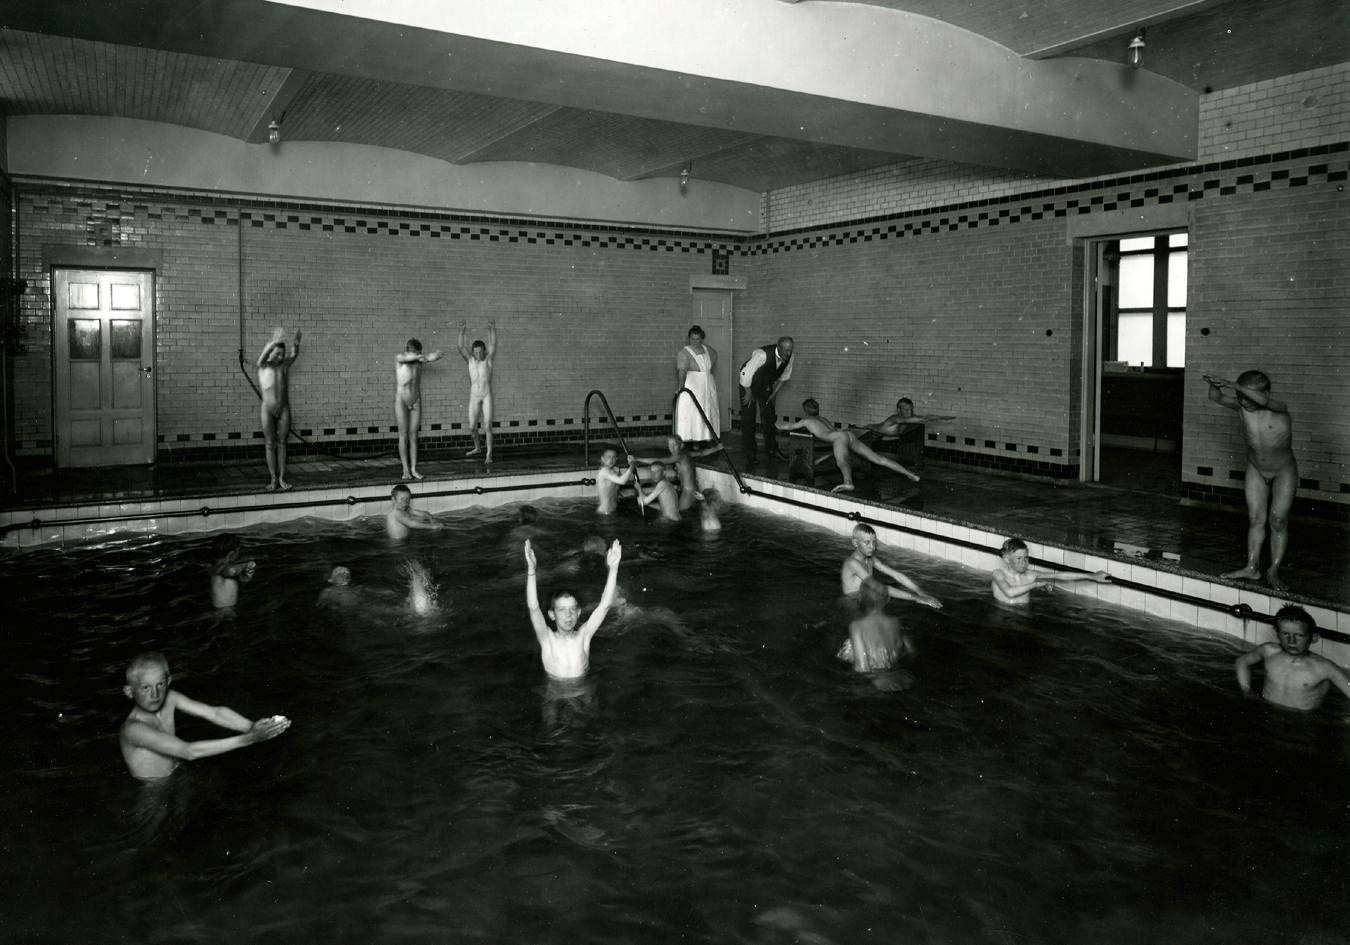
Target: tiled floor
{"x": 1105, "y": 519}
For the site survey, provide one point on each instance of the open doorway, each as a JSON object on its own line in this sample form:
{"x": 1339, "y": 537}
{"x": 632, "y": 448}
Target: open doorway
{"x": 1138, "y": 317}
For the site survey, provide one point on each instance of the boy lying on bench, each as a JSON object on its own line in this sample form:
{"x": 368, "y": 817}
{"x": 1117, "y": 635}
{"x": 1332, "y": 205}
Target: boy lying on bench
{"x": 842, "y": 442}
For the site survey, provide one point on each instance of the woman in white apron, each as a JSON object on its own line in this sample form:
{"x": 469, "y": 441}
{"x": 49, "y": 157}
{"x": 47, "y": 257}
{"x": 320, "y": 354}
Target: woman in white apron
{"x": 694, "y": 369}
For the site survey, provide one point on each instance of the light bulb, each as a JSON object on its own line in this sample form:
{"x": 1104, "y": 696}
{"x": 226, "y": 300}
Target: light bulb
{"x": 1135, "y": 53}
{"x": 273, "y": 132}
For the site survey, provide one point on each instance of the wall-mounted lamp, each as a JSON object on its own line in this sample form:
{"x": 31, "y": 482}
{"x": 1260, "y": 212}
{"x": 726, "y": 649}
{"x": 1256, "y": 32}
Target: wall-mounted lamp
{"x": 684, "y": 176}
{"x": 1134, "y": 55}
{"x": 274, "y": 132}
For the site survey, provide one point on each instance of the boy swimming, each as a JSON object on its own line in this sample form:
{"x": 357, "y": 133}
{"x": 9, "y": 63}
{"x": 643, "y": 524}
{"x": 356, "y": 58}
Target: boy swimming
{"x": 150, "y": 747}
{"x": 681, "y": 458}
{"x": 401, "y": 517}
{"x": 1015, "y": 579}
{"x": 607, "y": 481}
{"x": 565, "y": 649}
{"x": 227, "y": 572}
{"x": 1295, "y": 677}
{"x": 859, "y": 566}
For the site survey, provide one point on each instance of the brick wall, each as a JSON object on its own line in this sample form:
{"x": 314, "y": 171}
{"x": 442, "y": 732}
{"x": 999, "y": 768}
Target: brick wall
{"x": 576, "y": 308}
{"x": 950, "y": 305}
{"x": 973, "y": 322}
{"x": 1303, "y": 110}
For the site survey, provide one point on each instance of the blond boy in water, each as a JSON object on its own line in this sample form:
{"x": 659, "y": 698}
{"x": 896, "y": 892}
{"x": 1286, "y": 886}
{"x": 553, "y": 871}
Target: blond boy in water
{"x": 150, "y": 746}
{"x": 607, "y": 481}
{"x": 565, "y": 649}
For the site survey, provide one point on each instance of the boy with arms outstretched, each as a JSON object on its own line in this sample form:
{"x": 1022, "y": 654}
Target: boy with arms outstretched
{"x": 1272, "y": 473}
{"x": 564, "y": 649}
{"x": 858, "y": 567}
{"x": 1015, "y": 579}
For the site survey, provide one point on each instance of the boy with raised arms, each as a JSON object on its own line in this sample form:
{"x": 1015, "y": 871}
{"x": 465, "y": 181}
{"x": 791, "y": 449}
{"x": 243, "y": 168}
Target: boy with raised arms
{"x": 274, "y": 370}
{"x": 565, "y": 649}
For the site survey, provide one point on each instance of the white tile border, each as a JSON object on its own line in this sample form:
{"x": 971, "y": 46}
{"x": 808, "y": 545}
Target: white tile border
{"x": 932, "y": 544}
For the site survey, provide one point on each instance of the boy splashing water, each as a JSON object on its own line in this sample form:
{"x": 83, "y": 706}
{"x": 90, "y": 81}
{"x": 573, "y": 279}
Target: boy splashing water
{"x": 565, "y": 649}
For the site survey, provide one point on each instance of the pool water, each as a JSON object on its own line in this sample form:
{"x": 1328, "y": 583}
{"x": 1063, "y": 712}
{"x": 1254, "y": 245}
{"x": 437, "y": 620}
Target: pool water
{"x": 1073, "y": 773}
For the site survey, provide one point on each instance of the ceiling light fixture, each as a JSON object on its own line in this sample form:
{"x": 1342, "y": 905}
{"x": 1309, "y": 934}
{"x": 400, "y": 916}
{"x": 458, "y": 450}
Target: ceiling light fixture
{"x": 1134, "y": 55}
{"x": 274, "y": 132}
{"x": 684, "y": 176}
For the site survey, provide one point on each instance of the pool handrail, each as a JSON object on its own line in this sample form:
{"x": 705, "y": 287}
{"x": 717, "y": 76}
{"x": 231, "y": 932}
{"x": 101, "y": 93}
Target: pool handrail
{"x": 206, "y": 511}
{"x": 1244, "y": 611}
{"x": 586, "y": 424}
{"x": 674, "y": 412}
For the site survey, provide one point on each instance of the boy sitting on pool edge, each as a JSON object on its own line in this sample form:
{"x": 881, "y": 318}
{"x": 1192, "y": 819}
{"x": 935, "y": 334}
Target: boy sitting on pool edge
{"x": 1015, "y": 578}
{"x": 565, "y": 649}
{"x": 1295, "y": 678}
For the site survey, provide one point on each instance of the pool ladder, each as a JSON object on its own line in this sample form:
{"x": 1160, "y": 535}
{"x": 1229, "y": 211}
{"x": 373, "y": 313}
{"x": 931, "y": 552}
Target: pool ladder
{"x": 717, "y": 440}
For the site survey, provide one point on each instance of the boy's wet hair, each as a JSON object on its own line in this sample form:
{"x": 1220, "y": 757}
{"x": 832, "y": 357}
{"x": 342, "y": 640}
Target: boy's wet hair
{"x": 679, "y": 440}
{"x": 1255, "y": 379}
{"x": 144, "y": 660}
{"x": 872, "y": 595}
{"x": 478, "y": 343}
{"x": 223, "y": 544}
{"x": 902, "y": 401}
{"x": 607, "y": 450}
{"x": 399, "y": 489}
{"x": 1011, "y": 545}
{"x": 862, "y": 528}
{"x": 712, "y": 498}
{"x": 1292, "y": 613}
{"x": 657, "y": 467}
{"x": 558, "y": 595}
{"x": 594, "y": 545}
{"x": 811, "y": 405}
{"x": 528, "y": 515}
{"x": 414, "y": 345}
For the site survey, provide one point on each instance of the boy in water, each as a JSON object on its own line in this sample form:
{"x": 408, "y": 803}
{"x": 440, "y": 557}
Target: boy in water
{"x": 607, "y": 481}
{"x": 662, "y": 492}
{"x": 479, "y": 359}
{"x": 1272, "y": 473}
{"x": 408, "y": 402}
{"x": 228, "y": 571}
{"x": 274, "y": 366}
{"x": 859, "y": 566}
{"x": 1295, "y": 678}
{"x": 149, "y": 745}
{"x": 682, "y": 459}
{"x": 1015, "y": 579}
{"x": 402, "y": 517}
{"x": 564, "y": 649}
{"x": 712, "y": 501}
{"x": 875, "y": 641}
{"x": 339, "y": 591}
{"x": 843, "y": 442}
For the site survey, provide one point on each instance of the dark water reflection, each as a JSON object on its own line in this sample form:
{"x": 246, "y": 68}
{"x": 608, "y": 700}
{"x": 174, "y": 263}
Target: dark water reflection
{"x": 1076, "y": 773}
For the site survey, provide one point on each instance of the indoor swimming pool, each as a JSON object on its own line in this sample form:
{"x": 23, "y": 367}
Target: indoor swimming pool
{"x": 1076, "y": 772}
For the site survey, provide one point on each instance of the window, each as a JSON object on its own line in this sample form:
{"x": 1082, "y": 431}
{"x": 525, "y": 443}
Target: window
{"x": 1149, "y": 327}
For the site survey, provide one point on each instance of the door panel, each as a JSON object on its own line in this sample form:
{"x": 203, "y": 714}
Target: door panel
{"x": 712, "y": 311}
{"x": 103, "y": 370}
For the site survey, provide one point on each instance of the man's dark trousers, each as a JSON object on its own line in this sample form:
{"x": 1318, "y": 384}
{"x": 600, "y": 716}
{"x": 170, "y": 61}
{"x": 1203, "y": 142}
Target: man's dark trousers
{"x": 768, "y": 416}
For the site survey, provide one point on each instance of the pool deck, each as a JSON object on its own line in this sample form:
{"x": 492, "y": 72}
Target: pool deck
{"x": 1103, "y": 520}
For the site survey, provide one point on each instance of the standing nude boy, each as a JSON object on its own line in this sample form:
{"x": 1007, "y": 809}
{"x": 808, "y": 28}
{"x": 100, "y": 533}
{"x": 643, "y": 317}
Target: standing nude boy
{"x": 148, "y": 741}
{"x": 1272, "y": 473}
{"x": 408, "y": 402}
{"x": 479, "y": 359}
{"x": 274, "y": 366}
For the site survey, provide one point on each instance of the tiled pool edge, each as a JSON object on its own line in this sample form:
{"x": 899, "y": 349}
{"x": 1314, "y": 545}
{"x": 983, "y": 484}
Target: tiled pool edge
{"x": 825, "y": 509}
{"x": 63, "y": 525}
